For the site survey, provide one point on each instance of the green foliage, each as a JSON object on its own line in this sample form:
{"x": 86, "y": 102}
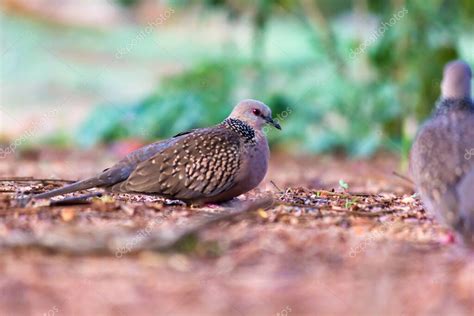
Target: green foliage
{"x": 195, "y": 98}
{"x": 332, "y": 101}
{"x": 343, "y": 184}
{"x": 126, "y": 3}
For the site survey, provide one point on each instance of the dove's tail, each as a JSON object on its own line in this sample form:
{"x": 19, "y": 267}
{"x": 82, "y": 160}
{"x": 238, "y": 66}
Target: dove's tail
{"x": 76, "y": 186}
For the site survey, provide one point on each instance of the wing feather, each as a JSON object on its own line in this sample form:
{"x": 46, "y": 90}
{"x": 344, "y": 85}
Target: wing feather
{"x": 202, "y": 163}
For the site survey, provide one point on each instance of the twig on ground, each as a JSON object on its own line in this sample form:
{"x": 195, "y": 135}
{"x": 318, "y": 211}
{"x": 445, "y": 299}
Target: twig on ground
{"x": 75, "y": 200}
{"x": 80, "y": 241}
{"x": 273, "y": 183}
{"x": 403, "y": 177}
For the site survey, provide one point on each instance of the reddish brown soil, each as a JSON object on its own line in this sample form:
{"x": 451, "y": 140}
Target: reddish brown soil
{"x": 366, "y": 250}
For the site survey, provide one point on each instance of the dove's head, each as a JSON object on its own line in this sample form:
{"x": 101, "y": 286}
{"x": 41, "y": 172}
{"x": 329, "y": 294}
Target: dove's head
{"x": 255, "y": 113}
{"x": 456, "y": 82}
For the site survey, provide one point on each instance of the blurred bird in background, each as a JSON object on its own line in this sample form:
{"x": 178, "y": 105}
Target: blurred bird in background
{"x": 441, "y": 161}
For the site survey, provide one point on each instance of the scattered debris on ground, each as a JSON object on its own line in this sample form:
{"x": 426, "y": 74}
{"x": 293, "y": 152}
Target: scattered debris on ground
{"x": 322, "y": 235}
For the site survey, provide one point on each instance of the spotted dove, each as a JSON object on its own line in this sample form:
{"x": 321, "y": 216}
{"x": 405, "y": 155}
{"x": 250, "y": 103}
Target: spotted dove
{"x": 442, "y": 156}
{"x": 203, "y": 165}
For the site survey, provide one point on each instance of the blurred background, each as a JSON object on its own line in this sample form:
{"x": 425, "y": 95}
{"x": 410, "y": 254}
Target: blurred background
{"x": 350, "y": 77}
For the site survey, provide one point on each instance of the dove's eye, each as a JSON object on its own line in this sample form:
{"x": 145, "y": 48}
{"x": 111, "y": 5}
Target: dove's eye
{"x": 257, "y": 112}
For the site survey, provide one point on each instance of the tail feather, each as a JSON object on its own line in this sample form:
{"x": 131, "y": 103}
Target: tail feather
{"x": 76, "y": 186}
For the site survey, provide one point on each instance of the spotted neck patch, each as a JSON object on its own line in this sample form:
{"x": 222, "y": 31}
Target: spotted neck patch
{"x": 241, "y": 128}
{"x": 445, "y": 106}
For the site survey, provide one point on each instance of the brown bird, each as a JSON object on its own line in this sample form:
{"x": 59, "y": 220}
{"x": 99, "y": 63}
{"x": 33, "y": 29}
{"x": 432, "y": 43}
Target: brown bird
{"x": 442, "y": 156}
{"x": 203, "y": 165}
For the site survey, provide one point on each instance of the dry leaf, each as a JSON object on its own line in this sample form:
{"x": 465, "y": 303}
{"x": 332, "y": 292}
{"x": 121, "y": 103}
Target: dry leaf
{"x": 67, "y": 214}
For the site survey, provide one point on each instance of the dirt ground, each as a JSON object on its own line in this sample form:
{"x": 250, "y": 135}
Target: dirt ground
{"x": 321, "y": 248}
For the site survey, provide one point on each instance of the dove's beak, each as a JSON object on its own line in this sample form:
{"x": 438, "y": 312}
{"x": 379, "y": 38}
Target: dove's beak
{"x": 272, "y": 122}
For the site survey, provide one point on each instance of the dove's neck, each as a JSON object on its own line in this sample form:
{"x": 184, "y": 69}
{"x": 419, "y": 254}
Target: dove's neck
{"x": 241, "y": 128}
{"x": 450, "y": 105}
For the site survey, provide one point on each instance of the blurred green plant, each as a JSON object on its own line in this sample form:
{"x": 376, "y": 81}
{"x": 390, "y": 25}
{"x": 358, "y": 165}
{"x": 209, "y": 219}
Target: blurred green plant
{"x": 194, "y": 98}
{"x": 338, "y": 102}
